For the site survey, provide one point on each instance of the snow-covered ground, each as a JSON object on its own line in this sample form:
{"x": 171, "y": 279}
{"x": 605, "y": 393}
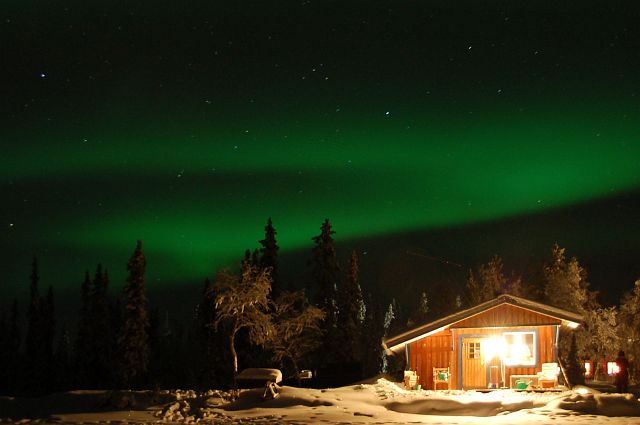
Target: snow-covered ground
{"x": 381, "y": 402}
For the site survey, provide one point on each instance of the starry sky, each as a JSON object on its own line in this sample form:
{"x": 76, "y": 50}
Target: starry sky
{"x": 458, "y": 129}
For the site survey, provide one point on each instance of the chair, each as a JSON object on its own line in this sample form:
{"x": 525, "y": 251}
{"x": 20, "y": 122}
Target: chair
{"x": 410, "y": 379}
{"x": 548, "y": 377}
{"x": 440, "y": 376}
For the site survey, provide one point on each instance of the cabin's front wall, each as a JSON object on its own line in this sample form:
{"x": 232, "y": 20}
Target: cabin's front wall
{"x": 445, "y": 348}
{"x": 544, "y": 345}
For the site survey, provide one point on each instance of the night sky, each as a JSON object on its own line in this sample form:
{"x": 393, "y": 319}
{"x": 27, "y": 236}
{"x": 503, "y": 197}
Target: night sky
{"x": 459, "y": 129}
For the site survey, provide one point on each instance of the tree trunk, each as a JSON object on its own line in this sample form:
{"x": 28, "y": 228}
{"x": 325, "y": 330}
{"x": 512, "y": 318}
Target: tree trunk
{"x": 297, "y": 371}
{"x": 232, "y": 346}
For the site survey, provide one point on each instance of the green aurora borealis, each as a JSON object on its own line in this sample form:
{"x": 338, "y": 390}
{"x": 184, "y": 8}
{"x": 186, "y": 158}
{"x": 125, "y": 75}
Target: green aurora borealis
{"x": 194, "y": 169}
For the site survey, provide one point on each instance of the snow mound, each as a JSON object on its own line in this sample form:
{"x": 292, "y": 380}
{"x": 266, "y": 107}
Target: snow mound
{"x": 598, "y": 404}
{"x": 289, "y": 397}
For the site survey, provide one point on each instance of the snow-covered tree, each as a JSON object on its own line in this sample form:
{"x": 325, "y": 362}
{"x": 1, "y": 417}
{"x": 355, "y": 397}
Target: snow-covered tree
{"x": 133, "y": 341}
{"x": 599, "y": 337}
{"x": 629, "y": 329}
{"x": 489, "y": 281}
{"x": 566, "y": 286}
{"x": 242, "y": 302}
{"x": 565, "y": 283}
{"x": 297, "y": 330}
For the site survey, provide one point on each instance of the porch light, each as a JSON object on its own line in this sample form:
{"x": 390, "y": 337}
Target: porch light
{"x": 493, "y": 347}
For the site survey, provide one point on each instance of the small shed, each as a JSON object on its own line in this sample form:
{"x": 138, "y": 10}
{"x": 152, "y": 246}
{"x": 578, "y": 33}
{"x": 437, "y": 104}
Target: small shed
{"x": 486, "y": 346}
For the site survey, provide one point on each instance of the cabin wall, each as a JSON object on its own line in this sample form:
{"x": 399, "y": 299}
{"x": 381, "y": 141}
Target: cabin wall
{"x": 506, "y": 315}
{"x": 544, "y": 346}
{"x": 429, "y": 352}
{"x": 442, "y": 350}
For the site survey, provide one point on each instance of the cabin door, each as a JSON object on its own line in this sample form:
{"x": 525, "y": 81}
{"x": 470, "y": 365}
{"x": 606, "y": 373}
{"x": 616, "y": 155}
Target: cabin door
{"x": 474, "y": 369}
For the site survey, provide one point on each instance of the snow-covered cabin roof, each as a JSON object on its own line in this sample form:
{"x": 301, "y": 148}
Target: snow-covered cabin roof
{"x": 566, "y": 317}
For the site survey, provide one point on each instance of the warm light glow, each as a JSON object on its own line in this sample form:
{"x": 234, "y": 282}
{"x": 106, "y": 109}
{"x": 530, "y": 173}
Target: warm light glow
{"x": 587, "y": 368}
{"x": 582, "y": 391}
{"x": 519, "y": 348}
{"x": 612, "y": 368}
{"x": 493, "y": 347}
{"x": 573, "y": 325}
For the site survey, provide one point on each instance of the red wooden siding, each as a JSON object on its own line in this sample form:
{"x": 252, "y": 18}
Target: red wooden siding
{"x": 506, "y": 315}
{"x": 427, "y": 353}
{"x": 441, "y": 349}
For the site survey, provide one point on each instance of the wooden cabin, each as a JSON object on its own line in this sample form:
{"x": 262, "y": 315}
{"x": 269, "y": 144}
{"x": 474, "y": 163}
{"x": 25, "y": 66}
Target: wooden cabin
{"x": 492, "y": 345}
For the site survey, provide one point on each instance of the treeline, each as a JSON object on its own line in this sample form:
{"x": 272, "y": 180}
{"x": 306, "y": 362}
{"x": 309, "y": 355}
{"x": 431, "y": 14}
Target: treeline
{"x": 120, "y": 342}
{"x": 251, "y": 317}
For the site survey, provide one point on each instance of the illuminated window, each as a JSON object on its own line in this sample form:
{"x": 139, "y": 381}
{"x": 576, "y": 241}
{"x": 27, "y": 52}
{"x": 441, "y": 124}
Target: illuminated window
{"x": 473, "y": 350}
{"x": 612, "y": 368}
{"x": 520, "y": 349}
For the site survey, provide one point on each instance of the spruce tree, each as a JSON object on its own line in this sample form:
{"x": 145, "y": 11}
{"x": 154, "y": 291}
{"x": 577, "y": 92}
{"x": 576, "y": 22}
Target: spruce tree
{"x": 133, "y": 341}
{"x": 36, "y": 341}
{"x": 13, "y": 330}
{"x": 9, "y": 349}
{"x": 33, "y": 339}
{"x": 421, "y": 311}
{"x": 62, "y": 361}
{"x": 4, "y": 360}
{"x": 474, "y": 293}
{"x": 208, "y": 342}
{"x": 373, "y": 351}
{"x": 351, "y": 313}
{"x": 84, "y": 355}
{"x": 573, "y": 366}
{"x": 48, "y": 335}
{"x": 269, "y": 257}
{"x": 325, "y": 274}
{"x": 394, "y": 364}
{"x": 101, "y": 333}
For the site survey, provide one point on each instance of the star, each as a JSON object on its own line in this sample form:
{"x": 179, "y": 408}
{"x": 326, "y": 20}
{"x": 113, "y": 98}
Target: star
{"x": 43, "y": 75}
